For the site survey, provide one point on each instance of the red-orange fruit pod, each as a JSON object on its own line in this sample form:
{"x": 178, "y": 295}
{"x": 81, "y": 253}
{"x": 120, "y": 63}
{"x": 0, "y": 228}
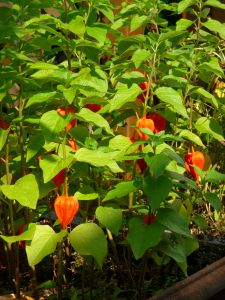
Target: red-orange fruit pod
{"x": 144, "y": 123}
{"x": 4, "y": 124}
{"x": 149, "y": 219}
{"x": 66, "y": 208}
{"x": 59, "y": 178}
{"x": 93, "y": 107}
{"x": 196, "y": 158}
{"x": 143, "y": 86}
{"x": 159, "y": 121}
{"x": 64, "y": 111}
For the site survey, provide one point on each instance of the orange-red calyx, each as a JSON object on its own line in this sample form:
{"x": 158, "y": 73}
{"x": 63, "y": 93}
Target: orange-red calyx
{"x": 195, "y": 158}
{"x": 144, "y": 123}
{"x": 59, "y": 178}
{"x": 159, "y": 121}
{"x": 93, "y": 107}
{"x": 64, "y": 111}
{"x": 66, "y": 208}
{"x": 143, "y": 86}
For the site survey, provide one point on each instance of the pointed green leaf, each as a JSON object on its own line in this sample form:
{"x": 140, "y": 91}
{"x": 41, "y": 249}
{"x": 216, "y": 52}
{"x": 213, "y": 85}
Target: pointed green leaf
{"x": 210, "y": 126}
{"x": 52, "y": 164}
{"x": 98, "y": 158}
{"x": 124, "y": 95}
{"x": 120, "y": 190}
{"x": 154, "y": 191}
{"x": 51, "y": 124}
{"x": 173, "y": 98}
{"x": 139, "y": 56}
{"x": 3, "y": 137}
{"x": 44, "y": 242}
{"x": 89, "y": 239}
{"x": 110, "y": 217}
{"x": 187, "y": 134}
{"x": 35, "y": 144}
{"x": 94, "y": 118}
{"x": 215, "y": 26}
{"x": 40, "y": 98}
{"x": 173, "y": 221}
{"x": 157, "y": 163}
{"x": 142, "y": 236}
{"x": 184, "y": 4}
{"x": 214, "y": 3}
{"x": 214, "y": 200}
{"x": 25, "y": 236}
{"x": 25, "y": 191}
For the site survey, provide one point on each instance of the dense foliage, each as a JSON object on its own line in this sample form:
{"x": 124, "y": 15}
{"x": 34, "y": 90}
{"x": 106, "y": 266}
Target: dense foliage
{"x": 120, "y": 107}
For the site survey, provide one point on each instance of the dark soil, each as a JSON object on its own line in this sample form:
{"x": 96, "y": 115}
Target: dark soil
{"x": 111, "y": 283}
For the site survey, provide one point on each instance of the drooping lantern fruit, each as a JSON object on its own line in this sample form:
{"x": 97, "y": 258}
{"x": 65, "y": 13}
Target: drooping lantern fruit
{"x": 73, "y": 144}
{"x": 144, "y": 123}
{"x": 4, "y": 124}
{"x": 64, "y": 111}
{"x": 20, "y": 231}
{"x": 59, "y": 178}
{"x": 143, "y": 86}
{"x": 142, "y": 164}
{"x": 159, "y": 121}
{"x": 149, "y": 219}
{"x": 93, "y": 107}
{"x": 66, "y": 208}
{"x": 195, "y": 158}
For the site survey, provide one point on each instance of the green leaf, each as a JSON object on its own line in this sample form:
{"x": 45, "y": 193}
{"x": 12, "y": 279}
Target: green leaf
{"x": 139, "y": 56}
{"x": 75, "y": 26}
{"x": 173, "y": 221}
{"x": 51, "y": 124}
{"x": 120, "y": 190}
{"x": 25, "y": 236}
{"x": 35, "y": 144}
{"x": 173, "y": 98}
{"x": 86, "y": 193}
{"x": 142, "y": 236}
{"x": 212, "y": 66}
{"x": 214, "y": 3}
{"x": 124, "y": 95}
{"x": 157, "y": 163}
{"x": 183, "y": 24}
{"x": 184, "y": 4}
{"x": 3, "y": 137}
{"x": 214, "y": 176}
{"x": 98, "y": 158}
{"x": 137, "y": 21}
{"x": 89, "y": 239}
{"x": 52, "y": 75}
{"x": 41, "y": 65}
{"x": 97, "y": 33}
{"x": 94, "y": 118}
{"x": 119, "y": 142}
{"x": 44, "y": 242}
{"x": 214, "y": 200}
{"x": 40, "y": 98}
{"x": 154, "y": 191}
{"x": 52, "y": 164}
{"x": 25, "y": 191}
{"x": 210, "y": 126}
{"x": 215, "y": 26}
{"x": 187, "y": 134}
{"x": 200, "y": 221}
{"x": 68, "y": 93}
{"x": 110, "y": 217}
{"x": 91, "y": 82}
{"x": 209, "y": 97}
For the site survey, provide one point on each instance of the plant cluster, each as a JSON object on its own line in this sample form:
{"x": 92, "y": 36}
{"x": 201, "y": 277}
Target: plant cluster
{"x": 111, "y": 129}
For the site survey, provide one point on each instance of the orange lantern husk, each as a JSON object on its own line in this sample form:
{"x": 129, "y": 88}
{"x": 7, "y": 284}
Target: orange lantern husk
{"x": 197, "y": 159}
{"x": 66, "y": 208}
{"x": 144, "y": 123}
{"x": 159, "y": 121}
